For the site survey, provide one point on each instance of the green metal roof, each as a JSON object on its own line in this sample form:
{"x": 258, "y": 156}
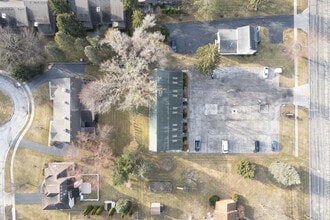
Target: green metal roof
{"x": 165, "y": 117}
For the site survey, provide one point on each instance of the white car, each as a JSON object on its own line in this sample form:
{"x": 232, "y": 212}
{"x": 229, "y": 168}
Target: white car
{"x": 266, "y": 72}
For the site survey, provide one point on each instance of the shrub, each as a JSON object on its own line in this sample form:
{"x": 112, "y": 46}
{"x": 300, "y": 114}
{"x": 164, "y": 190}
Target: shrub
{"x": 92, "y": 54}
{"x": 94, "y": 210}
{"x": 24, "y": 72}
{"x": 99, "y": 210}
{"x": 284, "y": 174}
{"x": 213, "y": 199}
{"x": 235, "y": 197}
{"x": 88, "y": 210}
{"x": 246, "y": 169}
{"x": 111, "y": 212}
{"x": 123, "y": 205}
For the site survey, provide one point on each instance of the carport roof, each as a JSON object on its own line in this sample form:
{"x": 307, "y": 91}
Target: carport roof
{"x": 165, "y": 117}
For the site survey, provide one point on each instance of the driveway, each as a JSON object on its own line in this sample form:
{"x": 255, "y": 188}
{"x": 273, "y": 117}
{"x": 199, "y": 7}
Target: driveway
{"x": 191, "y": 35}
{"x": 60, "y": 70}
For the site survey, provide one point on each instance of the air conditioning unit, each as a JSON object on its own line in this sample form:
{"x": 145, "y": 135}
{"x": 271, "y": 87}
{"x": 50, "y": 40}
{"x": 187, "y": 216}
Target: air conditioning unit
{"x": 35, "y": 24}
{"x": 98, "y": 9}
{"x": 3, "y": 15}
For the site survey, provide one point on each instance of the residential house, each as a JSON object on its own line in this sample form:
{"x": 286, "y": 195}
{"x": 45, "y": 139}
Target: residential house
{"x": 166, "y": 115}
{"x": 58, "y": 187}
{"x": 239, "y": 41}
{"x": 225, "y": 210}
{"x": 70, "y": 116}
{"x": 99, "y": 12}
{"x": 37, "y": 14}
{"x": 27, "y": 13}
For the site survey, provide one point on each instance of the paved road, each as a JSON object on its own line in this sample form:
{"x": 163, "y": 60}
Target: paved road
{"x": 58, "y": 71}
{"x": 191, "y": 35}
{"x": 319, "y": 53}
{"x": 9, "y": 130}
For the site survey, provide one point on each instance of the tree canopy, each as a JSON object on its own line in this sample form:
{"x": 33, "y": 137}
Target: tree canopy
{"x": 129, "y": 4}
{"x": 59, "y": 7}
{"x": 124, "y": 166}
{"x": 284, "y": 173}
{"x": 246, "y": 169}
{"x": 126, "y": 84}
{"x": 20, "y": 47}
{"x": 69, "y": 24}
{"x": 137, "y": 18}
{"x": 207, "y": 58}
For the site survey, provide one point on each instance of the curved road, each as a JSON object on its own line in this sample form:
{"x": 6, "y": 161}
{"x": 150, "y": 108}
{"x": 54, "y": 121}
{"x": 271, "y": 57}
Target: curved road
{"x": 9, "y": 131}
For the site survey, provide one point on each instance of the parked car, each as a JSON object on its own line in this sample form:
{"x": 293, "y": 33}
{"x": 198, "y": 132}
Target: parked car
{"x": 224, "y": 144}
{"x": 198, "y": 145}
{"x": 256, "y": 146}
{"x": 173, "y": 46}
{"x": 274, "y": 146}
{"x": 266, "y": 72}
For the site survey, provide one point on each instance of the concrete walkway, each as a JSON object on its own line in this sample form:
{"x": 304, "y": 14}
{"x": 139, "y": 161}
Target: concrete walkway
{"x": 50, "y": 150}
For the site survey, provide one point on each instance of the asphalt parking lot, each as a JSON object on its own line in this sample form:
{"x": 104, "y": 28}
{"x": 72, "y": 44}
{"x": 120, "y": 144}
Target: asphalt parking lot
{"x": 238, "y": 105}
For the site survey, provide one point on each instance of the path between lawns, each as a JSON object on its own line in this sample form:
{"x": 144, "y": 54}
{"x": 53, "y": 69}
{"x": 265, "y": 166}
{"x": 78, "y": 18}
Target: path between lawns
{"x": 50, "y": 150}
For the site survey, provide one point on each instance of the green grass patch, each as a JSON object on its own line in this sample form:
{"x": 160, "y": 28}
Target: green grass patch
{"x": 239, "y": 8}
{"x": 121, "y": 129}
{"x": 6, "y": 108}
{"x": 29, "y": 169}
{"x": 31, "y": 212}
{"x": 39, "y": 130}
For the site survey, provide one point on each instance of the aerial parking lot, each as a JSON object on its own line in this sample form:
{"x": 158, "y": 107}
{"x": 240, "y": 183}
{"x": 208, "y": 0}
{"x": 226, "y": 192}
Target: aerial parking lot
{"x": 237, "y": 105}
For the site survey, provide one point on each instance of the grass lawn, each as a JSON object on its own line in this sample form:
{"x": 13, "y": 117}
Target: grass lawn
{"x": 121, "y": 128}
{"x": 33, "y": 212}
{"x": 39, "y": 130}
{"x": 6, "y": 108}
{"x": 238, "y": 8}
{"x": 28, "y": 170}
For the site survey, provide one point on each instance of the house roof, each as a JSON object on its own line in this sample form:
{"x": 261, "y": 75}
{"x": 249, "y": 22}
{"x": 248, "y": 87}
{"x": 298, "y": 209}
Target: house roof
{"x": 58, "y": 187}
{"x": 83, "y": 13}
{"x": 28, "y": 13}
{"x": 67, "y": 117}
{"x": 94, "y": 12}
{"x": 166, "y": 116}
{"x": 14, "y": 13}
{"x": 38, "y": 11}
{"x": 225, "y": 210}
{"x": 241, "y": 41}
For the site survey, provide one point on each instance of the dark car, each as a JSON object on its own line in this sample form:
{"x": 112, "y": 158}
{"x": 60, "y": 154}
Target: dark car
{"x": 256, "y": 146}
{"x": 274, "y": 146}
{"x": 173, "y": 46}
{"x": 197, "y": 145}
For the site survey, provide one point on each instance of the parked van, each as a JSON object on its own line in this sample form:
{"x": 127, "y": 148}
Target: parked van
{"x": 224, "y": 144}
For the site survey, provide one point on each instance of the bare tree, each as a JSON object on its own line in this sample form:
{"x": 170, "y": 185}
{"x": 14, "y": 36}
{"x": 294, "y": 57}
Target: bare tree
{"x": 21, "y": 47}
{"x": 127, "y": 83}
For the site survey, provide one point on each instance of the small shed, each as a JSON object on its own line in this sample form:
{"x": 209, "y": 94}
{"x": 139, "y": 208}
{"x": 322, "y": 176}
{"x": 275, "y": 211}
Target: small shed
{"x": 156, "y": 208}
{"x": 109, "y": 204}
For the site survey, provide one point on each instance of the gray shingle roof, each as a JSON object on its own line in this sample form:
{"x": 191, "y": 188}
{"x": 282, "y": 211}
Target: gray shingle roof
{"x": 241, "y": 41}
{"x": 15, "y": 13}
{"x": 28, "y": 13}
{"x": 68, "y": 119}
{"x": 165, "y": 117}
